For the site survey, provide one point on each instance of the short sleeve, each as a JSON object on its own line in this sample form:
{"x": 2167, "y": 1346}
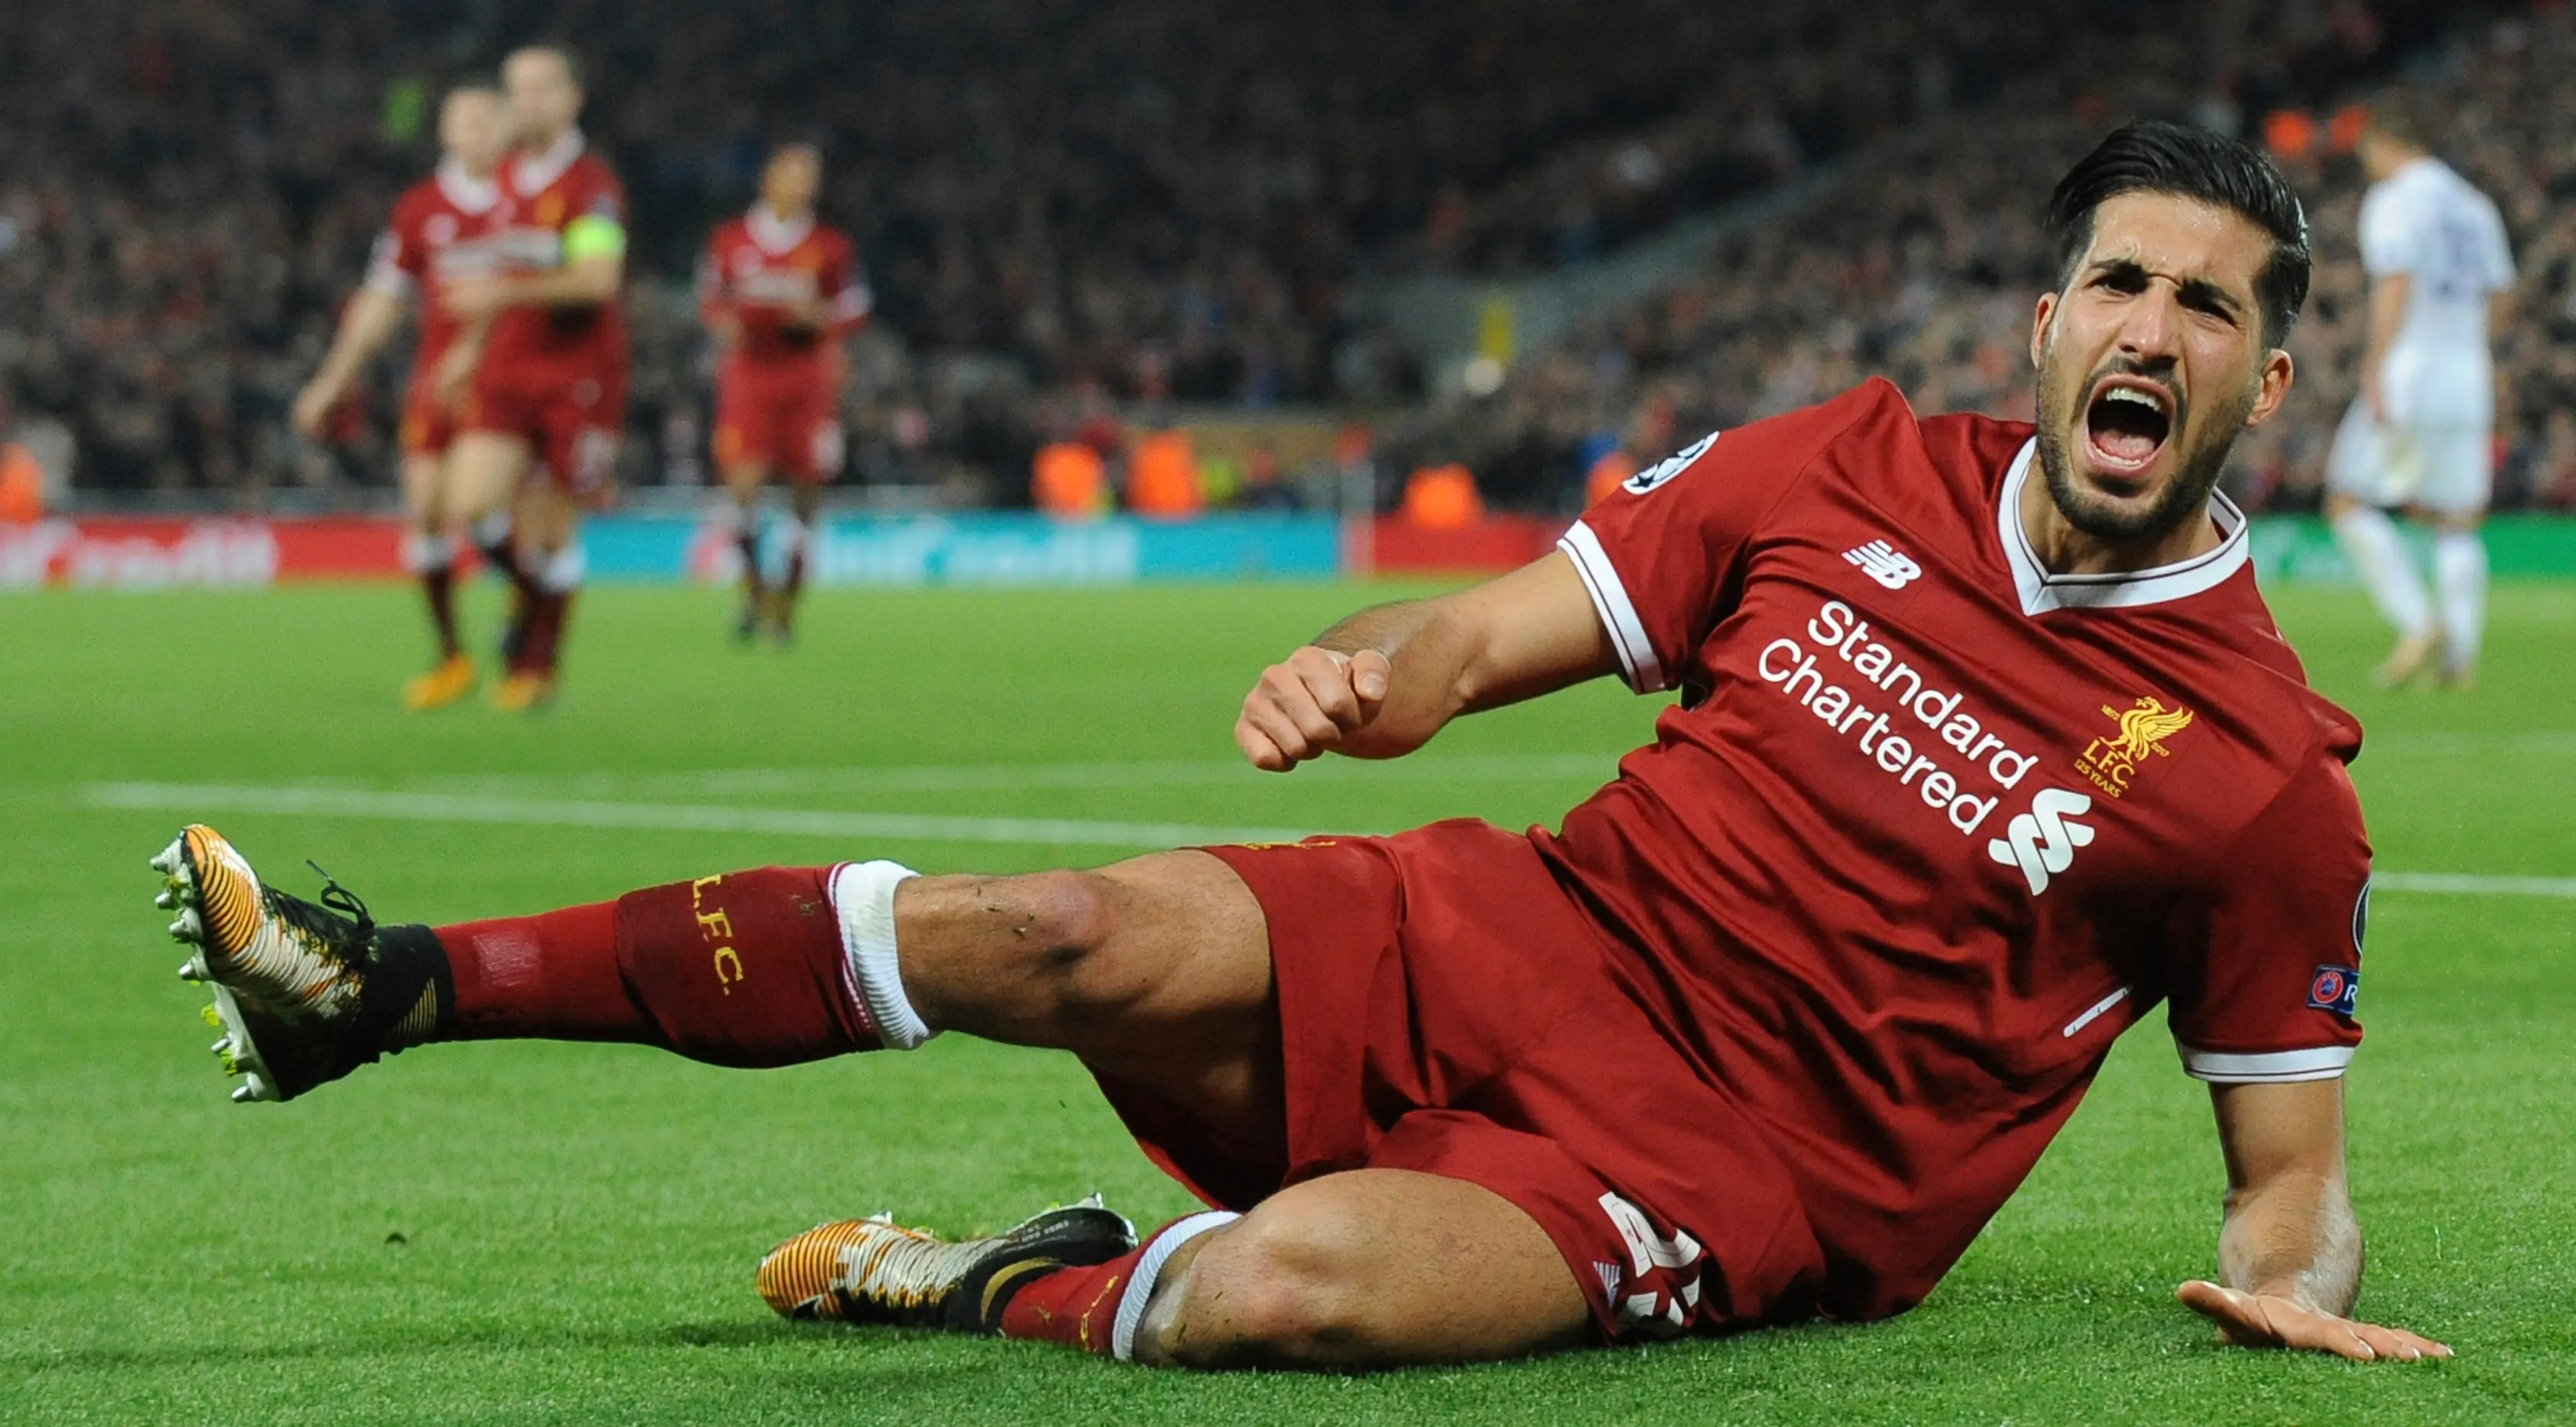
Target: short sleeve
{"x": 1662, "y": 554}
{"x": 2266, "y": 986}
{"x": 397, "y": 261}
{"x": 2388, "y": 245}
{"x": 2500, "y": 274}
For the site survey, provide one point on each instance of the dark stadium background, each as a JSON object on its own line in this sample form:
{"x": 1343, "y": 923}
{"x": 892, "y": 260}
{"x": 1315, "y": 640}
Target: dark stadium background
{"x": 1098, "y": 219}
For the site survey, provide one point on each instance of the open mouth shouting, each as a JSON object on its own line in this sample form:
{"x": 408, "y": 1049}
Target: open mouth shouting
{"x": 2127, "y": 425}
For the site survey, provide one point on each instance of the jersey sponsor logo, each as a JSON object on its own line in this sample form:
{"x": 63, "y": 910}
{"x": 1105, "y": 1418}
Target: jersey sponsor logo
{"x": 2334, "y": 988}
{"x": 1882, "y": 678}
{"x": 1668, "y": 467}
{"x": 2110, "y": 762}
{"x": 2042, "y": 842}
{"x": 1885, "y": 563}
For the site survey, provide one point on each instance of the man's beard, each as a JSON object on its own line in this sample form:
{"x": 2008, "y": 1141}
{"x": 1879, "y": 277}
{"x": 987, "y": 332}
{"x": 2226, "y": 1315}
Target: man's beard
{"x": 2195, "y": 474}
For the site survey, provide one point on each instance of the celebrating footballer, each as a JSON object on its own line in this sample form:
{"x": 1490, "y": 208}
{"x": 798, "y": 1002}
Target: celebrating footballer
{"x": 1985, "y": 745}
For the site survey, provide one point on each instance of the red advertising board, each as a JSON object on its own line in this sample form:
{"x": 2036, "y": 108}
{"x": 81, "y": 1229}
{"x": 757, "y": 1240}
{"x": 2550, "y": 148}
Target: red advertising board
{"x": 144, "y": 553}
{"x": 1500, "y": 542}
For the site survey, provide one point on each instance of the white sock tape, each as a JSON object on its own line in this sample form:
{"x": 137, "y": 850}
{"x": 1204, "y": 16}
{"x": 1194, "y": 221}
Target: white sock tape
{"x": 492, "y": 529}
{"x": 424, "y": 553}
{"x": 863, "y": 895}
{"x": 1149, "y": 1271}
{"x": 564, "y": 568}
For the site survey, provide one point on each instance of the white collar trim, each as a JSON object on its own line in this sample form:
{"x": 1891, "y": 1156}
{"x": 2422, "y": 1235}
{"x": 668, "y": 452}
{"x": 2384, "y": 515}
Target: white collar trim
{"x": 2041, "y": 591}
{"x": 463, "y": 190}
{"x": 772, "y": 233}
{"x": 532, "y": 176}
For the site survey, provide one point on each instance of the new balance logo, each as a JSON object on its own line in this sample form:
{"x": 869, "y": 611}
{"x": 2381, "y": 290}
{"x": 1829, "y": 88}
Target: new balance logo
{"x": 1885, "y": 563}
{"x": 2042, "y": 842}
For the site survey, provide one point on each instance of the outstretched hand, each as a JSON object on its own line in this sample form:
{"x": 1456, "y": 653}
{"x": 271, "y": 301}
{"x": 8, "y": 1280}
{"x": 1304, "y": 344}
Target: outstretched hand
{"x": 2268, "y": 1320}
{"x": 1312, "y": 702}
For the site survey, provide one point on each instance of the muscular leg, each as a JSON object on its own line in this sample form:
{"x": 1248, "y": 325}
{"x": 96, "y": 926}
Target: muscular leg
{"x": 1156, "y": 970}
{"x": 550, "y": 551}
{"x": 1367, "y": 1269}
{"x": 484, "y": 473}
{"x": 2460, "y": 588}
{"x": 430, "y": 541}
{"x": 743, "y": 481}
{"x": 805, "y": 499}
{"x": 2378, "y": 554}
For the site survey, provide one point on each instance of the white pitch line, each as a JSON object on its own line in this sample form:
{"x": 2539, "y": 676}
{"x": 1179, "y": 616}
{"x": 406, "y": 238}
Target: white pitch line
{"x": 666, "y": 817}
{"x": 800, "y": 822}
{"x": 2473, "y": 885}
{"x": 1007, "y": 777}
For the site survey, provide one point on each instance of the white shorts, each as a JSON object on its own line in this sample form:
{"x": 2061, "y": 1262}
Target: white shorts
{"x": 2443, "y": 466}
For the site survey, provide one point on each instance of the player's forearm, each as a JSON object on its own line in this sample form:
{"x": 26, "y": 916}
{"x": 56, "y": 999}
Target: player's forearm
{"x": 1430, "y": 658}
{"x": 370, "y": 323}
{"x": 2296, "y": 1237}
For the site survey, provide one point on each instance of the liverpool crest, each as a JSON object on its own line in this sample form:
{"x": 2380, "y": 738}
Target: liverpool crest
{"x": 2112, "y": 760}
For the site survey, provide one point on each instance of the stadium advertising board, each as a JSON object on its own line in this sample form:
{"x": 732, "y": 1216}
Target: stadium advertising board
{"x": 980, "y": 548}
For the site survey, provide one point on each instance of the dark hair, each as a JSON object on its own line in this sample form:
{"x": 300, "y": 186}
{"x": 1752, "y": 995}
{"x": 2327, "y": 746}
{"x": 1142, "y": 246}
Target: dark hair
{"x": 2154, "y": 156}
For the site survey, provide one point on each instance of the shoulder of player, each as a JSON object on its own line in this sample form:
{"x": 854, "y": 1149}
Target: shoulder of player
{"x": 416, "y": 203}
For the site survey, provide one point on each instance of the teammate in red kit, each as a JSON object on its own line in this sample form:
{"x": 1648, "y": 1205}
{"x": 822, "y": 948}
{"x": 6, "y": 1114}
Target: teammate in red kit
{"x": 439, "y": 233}
{"x": 540, "y": 367}
{"x": 779, "y": 291}
{"x": 1986, "y": 745}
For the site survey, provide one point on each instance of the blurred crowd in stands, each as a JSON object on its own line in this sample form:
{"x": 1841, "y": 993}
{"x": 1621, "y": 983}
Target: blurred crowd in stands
{"x": 1074, "y": 212}
{"x": 1921, "y": 262}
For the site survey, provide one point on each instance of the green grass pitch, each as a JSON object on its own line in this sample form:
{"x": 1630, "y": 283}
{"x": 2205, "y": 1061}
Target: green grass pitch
{"x": 558, "y": 1233}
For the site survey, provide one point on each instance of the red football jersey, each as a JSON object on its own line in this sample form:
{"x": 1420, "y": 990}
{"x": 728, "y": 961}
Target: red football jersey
{"x": 541, "y": 196}
{"x": 759, "y": 269}
{"x": 1931, "y": 826}
{"x": 440, "y": 230}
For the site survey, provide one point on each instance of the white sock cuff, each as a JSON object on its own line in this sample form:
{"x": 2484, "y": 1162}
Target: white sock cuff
{"x": 492, "y": 529}
{"x": 800, "y": 536}
{"x": 863, "y": 896}
{"x": 1149, "y": 1271}
{"x": 424, "y": 553}
{"x": 564, "y": 569}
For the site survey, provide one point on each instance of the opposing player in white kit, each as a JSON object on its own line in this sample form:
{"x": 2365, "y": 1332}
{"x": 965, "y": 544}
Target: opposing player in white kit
{"x": 2420, "y": 436}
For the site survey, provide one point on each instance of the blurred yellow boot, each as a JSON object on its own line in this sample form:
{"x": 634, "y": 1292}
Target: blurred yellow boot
{"x": 453, "y": 679}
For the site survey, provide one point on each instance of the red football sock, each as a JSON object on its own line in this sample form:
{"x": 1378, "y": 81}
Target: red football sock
{"x": 547, "y": 613}
{"x": 1076, "y": 1307}
{"x": 439, "y": 585}
{"x": 748, "y": 542}
{"x": 745, "y": 968}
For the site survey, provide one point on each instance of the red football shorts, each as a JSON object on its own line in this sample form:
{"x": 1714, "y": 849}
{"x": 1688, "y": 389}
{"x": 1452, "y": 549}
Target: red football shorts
{"x": 428, "y": 425}
{"x": 1446, "y": 1007}
{"x": 571, "y": 421}
{"x": 788, "y": 422}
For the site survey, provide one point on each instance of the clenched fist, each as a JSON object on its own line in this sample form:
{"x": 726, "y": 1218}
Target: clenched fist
{"x": 1315, "y": 700}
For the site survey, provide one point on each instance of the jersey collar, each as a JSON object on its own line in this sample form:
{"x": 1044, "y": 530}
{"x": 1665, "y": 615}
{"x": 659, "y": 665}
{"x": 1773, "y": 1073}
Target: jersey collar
{"x": 773, "y": 234}
{"x": 463, "y": 191}
{"x": 2041, "y": 591}
{"x": 532, "y": 176}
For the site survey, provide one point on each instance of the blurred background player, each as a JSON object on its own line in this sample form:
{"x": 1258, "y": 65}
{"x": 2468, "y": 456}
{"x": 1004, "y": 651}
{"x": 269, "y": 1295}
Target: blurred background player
{"x": 2420, "y": 436}
{"x": 779, "y": 291}
{"x": 439, "y": 232}
{"x": 541, "y": 363}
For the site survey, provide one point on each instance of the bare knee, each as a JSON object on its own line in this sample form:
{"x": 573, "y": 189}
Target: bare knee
{"x": 1281, "y": 1289}
{"x": 986, "y": 953}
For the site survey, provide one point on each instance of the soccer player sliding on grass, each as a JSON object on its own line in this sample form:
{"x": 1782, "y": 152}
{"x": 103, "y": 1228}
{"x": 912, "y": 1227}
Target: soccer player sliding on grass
{"x": 1986, "y": 745}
